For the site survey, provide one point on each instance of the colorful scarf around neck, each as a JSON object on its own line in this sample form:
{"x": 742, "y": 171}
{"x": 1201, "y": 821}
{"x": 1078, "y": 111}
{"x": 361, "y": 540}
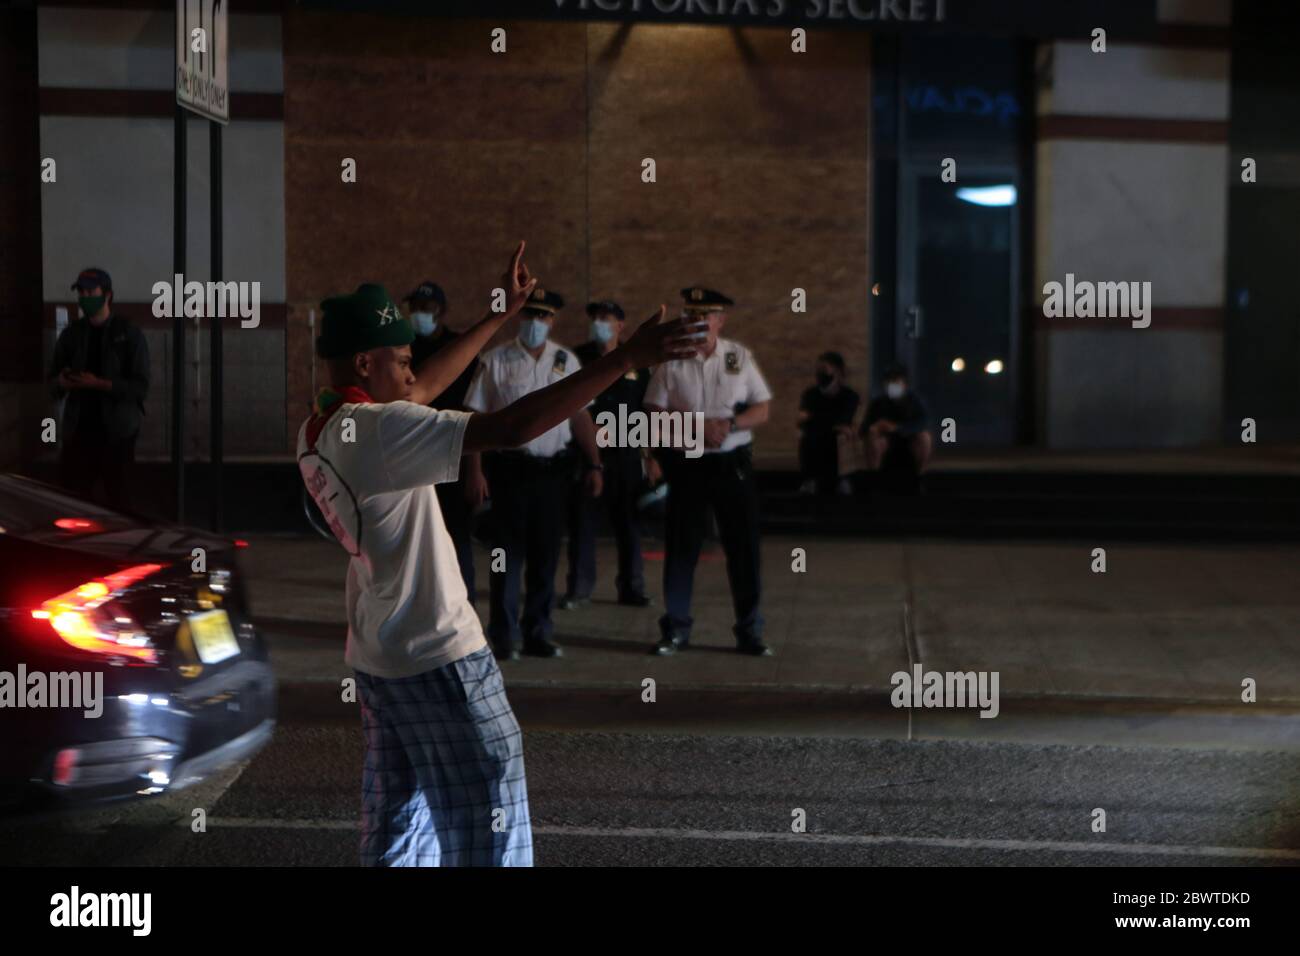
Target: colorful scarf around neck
{"x": 328, "y": 401}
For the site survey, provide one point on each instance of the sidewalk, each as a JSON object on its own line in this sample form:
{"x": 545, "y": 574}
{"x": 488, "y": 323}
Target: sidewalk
{"x": 1167, "y": 629}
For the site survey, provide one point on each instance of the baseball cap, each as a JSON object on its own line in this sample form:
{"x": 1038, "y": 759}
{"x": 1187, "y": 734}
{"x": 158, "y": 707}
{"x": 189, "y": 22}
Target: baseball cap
{"x": 89, "y": 278}
{"x": 428, "y": 291}
{"x": 366, "y": 319}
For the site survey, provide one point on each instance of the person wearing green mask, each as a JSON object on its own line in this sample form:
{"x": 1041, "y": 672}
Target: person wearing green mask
{"x": 101, "y": 366}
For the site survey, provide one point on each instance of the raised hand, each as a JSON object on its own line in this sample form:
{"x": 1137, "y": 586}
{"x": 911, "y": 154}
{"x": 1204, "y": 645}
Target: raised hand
{"x": 657, "y": 340}
{"x": 439, "y": 370}
{"x": 517, "y": 282}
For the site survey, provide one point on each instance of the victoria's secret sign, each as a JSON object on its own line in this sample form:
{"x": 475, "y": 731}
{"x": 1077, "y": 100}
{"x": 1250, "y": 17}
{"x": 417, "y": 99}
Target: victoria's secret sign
{"x": 779, "y": 11}
{"x": 1132, "y": 19}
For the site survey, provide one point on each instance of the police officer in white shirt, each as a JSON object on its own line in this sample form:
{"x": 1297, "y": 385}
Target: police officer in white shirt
{"x": 529, "y": 485}
{"x": 724, "y": 383}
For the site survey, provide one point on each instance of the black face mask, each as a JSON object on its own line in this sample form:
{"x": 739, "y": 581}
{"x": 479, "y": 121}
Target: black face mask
{"x": 824, "y": 379}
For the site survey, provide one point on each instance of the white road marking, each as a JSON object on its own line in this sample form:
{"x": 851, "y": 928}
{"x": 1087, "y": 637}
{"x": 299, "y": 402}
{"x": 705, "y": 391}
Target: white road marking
{"x": 831, "y": 839}
{"x": 909, "y": 642}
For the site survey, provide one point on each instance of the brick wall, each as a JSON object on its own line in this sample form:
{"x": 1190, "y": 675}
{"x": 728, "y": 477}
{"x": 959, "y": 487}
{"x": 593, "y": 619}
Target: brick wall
{"x": 762, "y": 169}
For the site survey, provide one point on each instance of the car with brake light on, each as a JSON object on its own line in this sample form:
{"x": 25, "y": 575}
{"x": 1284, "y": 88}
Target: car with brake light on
{"x": 129, "y": 665}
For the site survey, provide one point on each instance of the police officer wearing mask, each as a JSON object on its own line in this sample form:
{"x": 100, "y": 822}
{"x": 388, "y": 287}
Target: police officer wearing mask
{"x": 622, "y": 478}
{"x": 101, "y": 363}
{"x": 724, "y": 383}
{"x": 461, "y": 498}
{"x": 530, "y": 485}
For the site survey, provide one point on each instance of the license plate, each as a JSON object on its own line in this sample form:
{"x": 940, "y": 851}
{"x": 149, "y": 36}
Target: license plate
{"x": 214, "y": 641}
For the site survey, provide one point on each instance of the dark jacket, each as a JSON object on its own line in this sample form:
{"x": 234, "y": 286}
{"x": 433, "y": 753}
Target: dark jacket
{"x": 629, "y": 390}
{"x": 425, "y": 346}
{"x": 908, "y": 413}
{"x": 123, "y": 360}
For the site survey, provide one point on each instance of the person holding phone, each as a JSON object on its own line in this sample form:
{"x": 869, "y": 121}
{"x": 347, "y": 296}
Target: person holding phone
{"x": 101, "y": 365}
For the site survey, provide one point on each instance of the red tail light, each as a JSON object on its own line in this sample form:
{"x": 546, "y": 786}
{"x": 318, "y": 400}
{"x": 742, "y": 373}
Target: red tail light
{"x": 65, "y": 767}
{"x": 78, "y": 524}
{"x": 79, "y": 617}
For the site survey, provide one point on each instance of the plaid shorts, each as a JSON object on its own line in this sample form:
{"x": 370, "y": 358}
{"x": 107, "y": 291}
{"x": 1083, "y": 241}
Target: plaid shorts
{"x": 443, "y": 779}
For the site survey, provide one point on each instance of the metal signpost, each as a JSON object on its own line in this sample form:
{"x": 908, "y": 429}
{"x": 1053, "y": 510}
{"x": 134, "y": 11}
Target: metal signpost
{"x": 202, "y": 86}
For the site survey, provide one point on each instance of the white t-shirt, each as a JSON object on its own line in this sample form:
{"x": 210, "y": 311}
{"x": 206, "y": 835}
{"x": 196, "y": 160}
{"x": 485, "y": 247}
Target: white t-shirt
{"x": 406, "y": 604}
{"x": 507, "y": 373}
{"x": 712, "y": 385}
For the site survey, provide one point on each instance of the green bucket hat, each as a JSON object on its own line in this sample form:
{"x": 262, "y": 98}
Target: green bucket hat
{"x": 366, "y": 319}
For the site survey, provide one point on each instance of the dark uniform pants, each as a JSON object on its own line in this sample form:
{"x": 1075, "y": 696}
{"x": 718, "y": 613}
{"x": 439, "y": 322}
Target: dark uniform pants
{"x": 88, "y": 458}
{"x": 725, "y": 483}
{"x": 529, "y": 495}
{"x": 622, "y": 482}
{"x": 459, "y": 518}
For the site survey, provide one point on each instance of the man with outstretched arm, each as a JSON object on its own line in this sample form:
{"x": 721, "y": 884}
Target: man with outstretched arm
{"x": 443, "y": 774}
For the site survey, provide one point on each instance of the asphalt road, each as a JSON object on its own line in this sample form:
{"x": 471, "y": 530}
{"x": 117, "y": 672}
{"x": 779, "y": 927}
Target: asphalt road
{"x": 665, "y": 797}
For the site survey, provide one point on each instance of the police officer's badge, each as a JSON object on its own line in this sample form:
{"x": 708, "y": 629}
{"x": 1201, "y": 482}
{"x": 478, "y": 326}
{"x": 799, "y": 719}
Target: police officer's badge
{"x": 632, "y": 376}
{"x": 697, "y": 294}
{"x": 733, "y": 363}
{"x": 561, "y": 361}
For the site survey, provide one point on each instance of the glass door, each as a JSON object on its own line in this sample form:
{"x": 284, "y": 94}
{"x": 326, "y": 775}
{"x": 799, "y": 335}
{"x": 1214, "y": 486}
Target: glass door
{"x": 955, "y": 324}
{"x": 946, "y": 258}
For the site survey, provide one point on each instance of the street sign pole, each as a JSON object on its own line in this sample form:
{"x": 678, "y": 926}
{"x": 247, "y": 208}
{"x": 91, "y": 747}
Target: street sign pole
{"x": 214, "y": 339}
{"x": 178, "y": 320}
{"x": 202, "y": 86}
